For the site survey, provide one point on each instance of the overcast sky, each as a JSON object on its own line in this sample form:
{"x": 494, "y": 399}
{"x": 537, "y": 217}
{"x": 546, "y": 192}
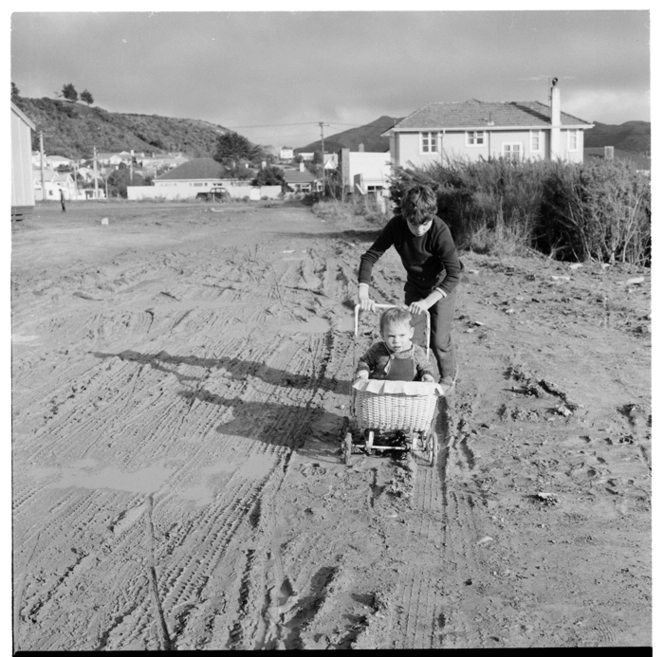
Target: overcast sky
{"x": 347, "y": 68}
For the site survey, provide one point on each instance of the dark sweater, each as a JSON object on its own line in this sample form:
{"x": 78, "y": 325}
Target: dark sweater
{"x": 430, "y": 260}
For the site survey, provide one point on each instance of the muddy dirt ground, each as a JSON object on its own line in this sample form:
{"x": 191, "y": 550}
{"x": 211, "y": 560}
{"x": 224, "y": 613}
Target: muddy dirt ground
{"x": 180, "y": 378}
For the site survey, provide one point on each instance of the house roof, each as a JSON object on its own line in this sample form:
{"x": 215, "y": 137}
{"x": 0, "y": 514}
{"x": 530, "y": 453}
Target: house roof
{"x": 200, "y": 168}
{"x": 51, "y": 176}
{"x": 640, "y": 161}
{"x": 296, "y": 176}
{"x": 108, "y": 156}
{"x": 481, "y": 115}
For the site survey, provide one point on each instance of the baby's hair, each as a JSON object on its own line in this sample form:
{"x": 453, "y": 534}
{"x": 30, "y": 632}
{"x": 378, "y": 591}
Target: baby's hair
{"x": 394, "y": 316}
{"x": 419, "y": 204}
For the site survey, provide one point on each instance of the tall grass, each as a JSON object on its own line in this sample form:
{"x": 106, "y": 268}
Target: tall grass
{"x": 599, "y": 210}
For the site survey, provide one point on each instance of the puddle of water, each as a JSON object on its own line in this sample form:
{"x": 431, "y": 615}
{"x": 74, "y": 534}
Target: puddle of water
{"x": 146, "y": 480}
{"x": 313, "y": 325}
{"x": 256, "y": 466}
{"x": 203, "y": 493}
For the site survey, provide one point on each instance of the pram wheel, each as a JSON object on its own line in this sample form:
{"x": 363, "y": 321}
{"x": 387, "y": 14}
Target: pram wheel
{"x": 347, "y": 447}
{"x": 346, "y": 441}
{"x": 431, "y": 447}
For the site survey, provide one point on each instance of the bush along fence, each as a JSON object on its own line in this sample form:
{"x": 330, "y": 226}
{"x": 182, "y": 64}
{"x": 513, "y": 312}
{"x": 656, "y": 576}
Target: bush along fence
{"x": 600, "y": 210}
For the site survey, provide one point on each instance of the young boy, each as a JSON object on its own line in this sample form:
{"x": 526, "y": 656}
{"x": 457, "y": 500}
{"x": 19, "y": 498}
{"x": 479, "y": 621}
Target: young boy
{"x": 396, "y": 358}
{"x": 429, "y": 256}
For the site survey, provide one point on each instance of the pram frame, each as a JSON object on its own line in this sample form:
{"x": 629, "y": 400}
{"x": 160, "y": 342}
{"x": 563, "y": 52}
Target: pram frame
{"x": 420, "y": 441}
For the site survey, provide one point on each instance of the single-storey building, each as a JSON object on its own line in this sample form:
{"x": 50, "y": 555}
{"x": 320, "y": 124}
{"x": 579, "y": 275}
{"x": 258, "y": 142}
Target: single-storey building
{"x": 474, "y": 130}
{"x": 198, "y": 176}
{"x": 300, "y": 180}
{"x": 23, "y": 196}
{"x": 192, "y": 177}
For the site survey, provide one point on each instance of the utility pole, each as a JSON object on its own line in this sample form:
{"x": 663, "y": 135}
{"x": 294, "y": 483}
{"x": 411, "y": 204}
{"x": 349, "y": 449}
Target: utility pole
{"x": 94, "y": 168}
{"x": 41, "y": 159}
{"x": 322, "y": 149}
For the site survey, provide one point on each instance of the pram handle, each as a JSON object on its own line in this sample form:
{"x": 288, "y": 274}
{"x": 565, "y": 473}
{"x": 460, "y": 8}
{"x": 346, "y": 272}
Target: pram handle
{"x": 427, "y": 331}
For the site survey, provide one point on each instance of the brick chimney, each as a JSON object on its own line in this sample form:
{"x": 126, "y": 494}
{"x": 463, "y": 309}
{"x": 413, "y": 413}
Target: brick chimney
{"x": 301, "y": 166}
{"x": 608, "y": 152}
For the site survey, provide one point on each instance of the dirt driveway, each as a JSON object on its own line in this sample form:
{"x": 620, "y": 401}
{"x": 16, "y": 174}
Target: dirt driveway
{"x": 180, "y": 377}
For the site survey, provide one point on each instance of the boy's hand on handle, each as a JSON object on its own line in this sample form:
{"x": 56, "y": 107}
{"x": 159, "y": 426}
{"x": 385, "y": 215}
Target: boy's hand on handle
{"x": 363, "y": 299}
{"x": 423, "y": 305}
{"x": 428, "y": 378}
{"x": 362, "y": 375}
{"x": 418, "y": 307}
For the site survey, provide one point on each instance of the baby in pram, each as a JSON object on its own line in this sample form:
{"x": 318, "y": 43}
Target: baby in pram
{"x": 395, "y": 357}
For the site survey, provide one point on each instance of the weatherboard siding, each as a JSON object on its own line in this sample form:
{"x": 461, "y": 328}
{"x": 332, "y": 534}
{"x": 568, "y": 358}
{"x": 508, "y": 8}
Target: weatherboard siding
{"x": 23, "y": 196}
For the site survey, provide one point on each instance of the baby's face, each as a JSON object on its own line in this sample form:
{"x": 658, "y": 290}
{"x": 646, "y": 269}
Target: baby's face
{"x": 398, "y": 337}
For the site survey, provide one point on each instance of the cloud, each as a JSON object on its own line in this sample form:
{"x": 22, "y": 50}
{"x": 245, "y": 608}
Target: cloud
{"x": 255, "y": 68}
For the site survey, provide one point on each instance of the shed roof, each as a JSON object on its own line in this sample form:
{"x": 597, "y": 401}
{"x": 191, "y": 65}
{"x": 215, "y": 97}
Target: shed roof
{"x": 486, "y": 115}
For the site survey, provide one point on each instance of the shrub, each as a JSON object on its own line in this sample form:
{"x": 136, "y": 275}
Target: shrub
{"x": 598, "y": 210}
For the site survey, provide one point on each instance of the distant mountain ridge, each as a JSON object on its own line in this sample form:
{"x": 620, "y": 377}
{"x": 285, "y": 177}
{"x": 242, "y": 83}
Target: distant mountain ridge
{"x": 73, "y": 130}
{"x": 632, "y": 136}
{"x": 368, "y": 135}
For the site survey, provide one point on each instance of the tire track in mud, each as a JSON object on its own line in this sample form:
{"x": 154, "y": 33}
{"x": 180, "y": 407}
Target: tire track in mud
{"x": 221, "y": 401}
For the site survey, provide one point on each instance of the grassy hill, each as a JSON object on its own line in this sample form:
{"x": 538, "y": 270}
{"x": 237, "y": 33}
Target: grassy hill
{"x": 73, "y": 129}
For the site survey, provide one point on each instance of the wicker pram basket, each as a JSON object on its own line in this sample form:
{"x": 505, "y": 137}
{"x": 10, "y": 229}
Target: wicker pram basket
{"x": 394, "y": 405}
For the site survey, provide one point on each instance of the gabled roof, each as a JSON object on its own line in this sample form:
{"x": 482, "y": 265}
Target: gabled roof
{"x": 481, "y": 115}
{"x": 200, "y": 168}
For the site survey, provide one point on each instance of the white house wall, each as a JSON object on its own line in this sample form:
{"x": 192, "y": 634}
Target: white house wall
{"x": 374, "y": 167}
{"x": 22, "y": 186}
{"x": 405, "y": 147}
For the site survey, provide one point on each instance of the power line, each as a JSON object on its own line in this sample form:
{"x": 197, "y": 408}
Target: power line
{"x": 278, "y": 125}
